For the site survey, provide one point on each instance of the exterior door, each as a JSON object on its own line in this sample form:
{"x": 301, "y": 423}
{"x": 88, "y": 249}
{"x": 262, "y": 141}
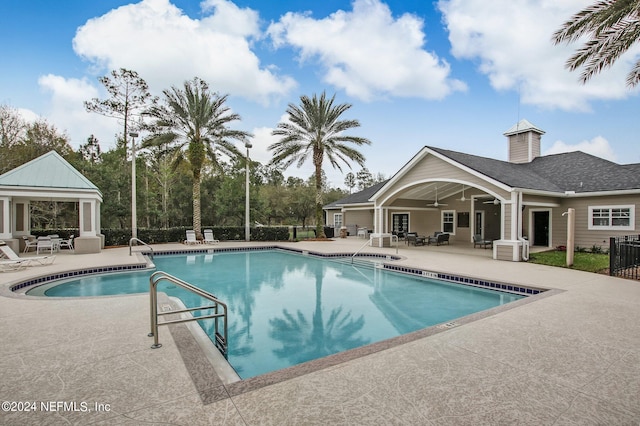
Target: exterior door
{"x": 478, "y": 227}
{"x": 541, "y": 228}
{"x": 401, "y": 222}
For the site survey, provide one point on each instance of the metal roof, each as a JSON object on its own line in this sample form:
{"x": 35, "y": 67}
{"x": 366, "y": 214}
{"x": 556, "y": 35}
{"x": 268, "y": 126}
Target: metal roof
{"x": 47, "y": 171}
{"x": 521, "y": 127}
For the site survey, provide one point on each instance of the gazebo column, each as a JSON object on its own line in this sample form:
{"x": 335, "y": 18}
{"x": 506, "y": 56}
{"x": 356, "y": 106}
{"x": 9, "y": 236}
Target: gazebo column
{"x": 6, "y": 230}
{"x": 88, "y": 241}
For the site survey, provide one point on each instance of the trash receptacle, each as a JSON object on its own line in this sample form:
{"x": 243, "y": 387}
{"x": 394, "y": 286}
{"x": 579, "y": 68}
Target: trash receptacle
{"x": 343, "y": 232}
{"x": 328, "y": 232}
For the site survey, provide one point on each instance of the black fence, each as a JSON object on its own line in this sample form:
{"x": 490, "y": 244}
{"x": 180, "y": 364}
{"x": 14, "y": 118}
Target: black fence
{"x": 624, "y": 256}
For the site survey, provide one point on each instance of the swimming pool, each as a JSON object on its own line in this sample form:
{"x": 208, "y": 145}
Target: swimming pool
{"x": 285, "y": 308}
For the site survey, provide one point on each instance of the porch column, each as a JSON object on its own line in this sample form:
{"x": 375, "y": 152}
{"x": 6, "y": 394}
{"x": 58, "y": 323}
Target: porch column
{"x": 510, "y": 246}
{"x": 88, "y": 241}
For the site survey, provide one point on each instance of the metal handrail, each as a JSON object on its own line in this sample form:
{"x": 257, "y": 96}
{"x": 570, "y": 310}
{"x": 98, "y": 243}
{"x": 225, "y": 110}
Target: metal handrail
{"x": 358, "y": 251}
{"x": 369, "y": 241}
{"x": 139, "y": 241}
{"x": 220, "y": 340}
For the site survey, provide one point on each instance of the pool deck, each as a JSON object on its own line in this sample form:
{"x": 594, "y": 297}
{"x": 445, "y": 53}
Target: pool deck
{"x": 570, "y": 358}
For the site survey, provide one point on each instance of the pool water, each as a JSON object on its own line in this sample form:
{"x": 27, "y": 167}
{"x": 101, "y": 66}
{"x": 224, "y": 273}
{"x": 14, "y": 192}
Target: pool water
{"x": 286, "y": 309}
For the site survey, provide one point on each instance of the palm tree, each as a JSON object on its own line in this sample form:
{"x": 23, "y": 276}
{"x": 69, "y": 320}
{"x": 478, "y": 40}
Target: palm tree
{"x": 315, "y": 130}
{"x": 612, "y": 27}
{"x": 194, "y": 121}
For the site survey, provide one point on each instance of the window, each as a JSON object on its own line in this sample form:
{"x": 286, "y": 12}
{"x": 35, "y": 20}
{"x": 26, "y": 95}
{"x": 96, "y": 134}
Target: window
{"x": 463, "y": 220}
{"x": 612, "y": 217}
{"x": 448, "y": 221}
{"x": 337, "y": 220}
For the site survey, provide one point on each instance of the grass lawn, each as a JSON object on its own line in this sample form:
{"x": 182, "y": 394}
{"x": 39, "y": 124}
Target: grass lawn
{"x": 590, "y": 262}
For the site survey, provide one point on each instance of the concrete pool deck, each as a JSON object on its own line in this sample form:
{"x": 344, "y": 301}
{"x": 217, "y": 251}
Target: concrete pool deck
{"x": 570, "y": 358}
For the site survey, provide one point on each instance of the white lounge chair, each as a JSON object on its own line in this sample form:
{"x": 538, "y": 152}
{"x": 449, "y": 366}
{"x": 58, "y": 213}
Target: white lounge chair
{"x": 191, "y": 238}
{"x": 208, "y": 237}
{"x": 13, "y": 265}
{"x": 7, "y": 252}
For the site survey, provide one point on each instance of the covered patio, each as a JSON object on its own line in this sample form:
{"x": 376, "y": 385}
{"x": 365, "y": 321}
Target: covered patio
{"x": 49, "y": 178}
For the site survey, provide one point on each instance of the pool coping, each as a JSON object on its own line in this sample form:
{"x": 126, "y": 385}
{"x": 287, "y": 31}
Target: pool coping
{"x": 145, "y": 257}
{"x": 208, "y": 383}
{"x": 211, "y": 388}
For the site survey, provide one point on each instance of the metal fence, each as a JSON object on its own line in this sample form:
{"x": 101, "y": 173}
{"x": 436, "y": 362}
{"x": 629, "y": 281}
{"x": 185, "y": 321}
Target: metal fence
{"x": 624, "y": 256}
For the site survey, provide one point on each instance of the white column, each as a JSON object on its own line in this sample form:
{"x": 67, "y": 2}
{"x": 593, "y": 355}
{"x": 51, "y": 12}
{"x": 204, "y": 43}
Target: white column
{"x": 5, "y": 218}
{"x": 87, "y": 213}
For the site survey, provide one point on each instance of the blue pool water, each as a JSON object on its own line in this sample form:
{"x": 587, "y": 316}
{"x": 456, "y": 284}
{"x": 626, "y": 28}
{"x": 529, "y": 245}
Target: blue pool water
{"x": 285, "y": 309}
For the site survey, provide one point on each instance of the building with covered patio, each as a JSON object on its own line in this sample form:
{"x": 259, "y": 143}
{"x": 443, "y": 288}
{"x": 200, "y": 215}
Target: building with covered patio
{"x": 514, "y": 203}
{"x": 49, "y": 178}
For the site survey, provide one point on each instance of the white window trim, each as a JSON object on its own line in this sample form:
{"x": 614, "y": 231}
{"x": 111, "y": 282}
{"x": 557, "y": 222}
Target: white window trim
{"x": 341, "y": 219}
{"x": 632, "y": 218}
{"x": 455, "y": 220}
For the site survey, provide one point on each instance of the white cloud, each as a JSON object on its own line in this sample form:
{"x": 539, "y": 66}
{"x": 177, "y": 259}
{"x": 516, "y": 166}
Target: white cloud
{"x": 67, "y": 111}
{"x": 28, "y": 115}
{"x": 368, "y": 53}
{"x": 511, "y": 39}
{"x": 597, "y": 146}
{"x": 167, "y": 47}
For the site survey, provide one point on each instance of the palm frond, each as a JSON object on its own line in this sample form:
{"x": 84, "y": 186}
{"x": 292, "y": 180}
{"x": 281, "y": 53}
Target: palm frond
{"x": 611, "y": 28}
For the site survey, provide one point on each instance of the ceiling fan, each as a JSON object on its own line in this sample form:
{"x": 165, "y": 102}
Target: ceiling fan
{"x": 463, "y": 199}
{"x": 436, "y": 203}
{"x": 495, "y": 202}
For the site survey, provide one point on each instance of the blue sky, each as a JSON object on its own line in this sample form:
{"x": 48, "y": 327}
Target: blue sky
{"x": 454, "y": 74}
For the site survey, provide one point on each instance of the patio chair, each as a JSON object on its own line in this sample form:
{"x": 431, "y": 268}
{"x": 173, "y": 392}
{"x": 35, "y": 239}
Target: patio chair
{"x": 439, "y": 238}
{"x": 7, "y": 252}
{"x": 29, "y": 244}
{"x": 208, "y": 237}
{"x": 479, "y": 241}
{"x": 68, "y": 243}
{"x": 44, "y": 244}
{"x": 191, "y": 238}
{"x": 410, "y": 238}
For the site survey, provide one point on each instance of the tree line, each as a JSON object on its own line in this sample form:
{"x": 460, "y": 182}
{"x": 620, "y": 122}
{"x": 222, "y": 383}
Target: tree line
{"x": 189, "y": 171}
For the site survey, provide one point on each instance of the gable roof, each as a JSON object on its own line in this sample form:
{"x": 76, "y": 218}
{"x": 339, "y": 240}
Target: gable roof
{"x": 558, "y": 173}
{"x": 569, "y": 171}
{"x": 358, "y": 197}
{"x": 47, "y": 171}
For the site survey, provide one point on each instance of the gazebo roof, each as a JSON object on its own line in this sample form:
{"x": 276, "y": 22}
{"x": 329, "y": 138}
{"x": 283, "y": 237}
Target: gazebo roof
{"x": 48, "y": 174}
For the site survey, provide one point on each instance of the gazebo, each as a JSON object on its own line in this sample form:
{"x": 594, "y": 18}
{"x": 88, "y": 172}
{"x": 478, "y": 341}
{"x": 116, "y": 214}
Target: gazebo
{"x": 49, "y": 178}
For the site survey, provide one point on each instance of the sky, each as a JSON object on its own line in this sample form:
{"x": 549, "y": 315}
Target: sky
{"x": 454, "y": 74}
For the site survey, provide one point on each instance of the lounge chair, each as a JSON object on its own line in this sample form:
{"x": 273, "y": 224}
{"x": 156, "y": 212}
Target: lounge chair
{"x": 191, "y": 238}
{"x": 479, "y": 241}
{"x": 29, "y": 243}
{"x": 208, "y": 237}
{"x": 13, "y": 265}
{"x": 7, "y": 252}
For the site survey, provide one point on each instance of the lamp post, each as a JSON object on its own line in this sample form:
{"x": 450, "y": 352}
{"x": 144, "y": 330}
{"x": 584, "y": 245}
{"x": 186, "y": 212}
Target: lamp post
{"x": 134, "y": 219}
{"x": 247, "y": 232}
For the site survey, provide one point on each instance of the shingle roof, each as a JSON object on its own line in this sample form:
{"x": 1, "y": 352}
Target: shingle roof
{"x": 358, "y": 197}
{"x": 569, "y": 171}
{"x": 47, "y": 171}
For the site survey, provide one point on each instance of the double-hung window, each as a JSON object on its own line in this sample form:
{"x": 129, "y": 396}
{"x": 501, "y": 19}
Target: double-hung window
{"x": 448, "y": 221}
{"x": 612, "y": 217}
